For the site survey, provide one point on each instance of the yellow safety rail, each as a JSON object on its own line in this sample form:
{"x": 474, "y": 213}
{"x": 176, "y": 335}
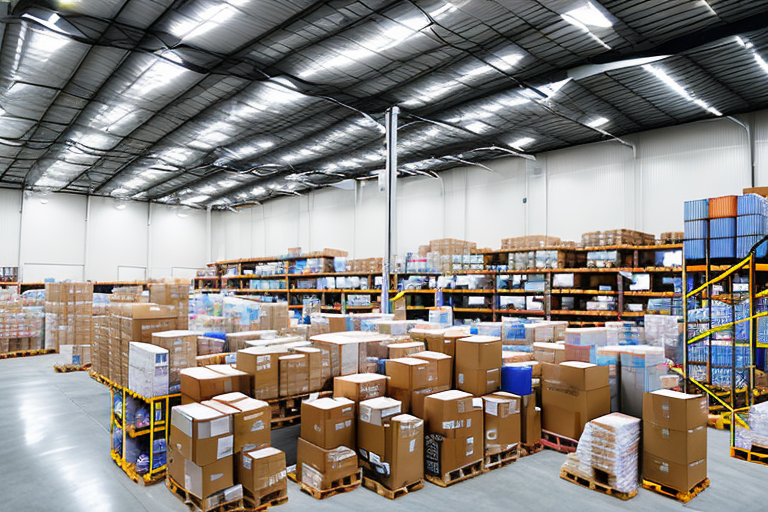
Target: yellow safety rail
{"x": 712, "y": 394}
{"x": 719, "y": 278}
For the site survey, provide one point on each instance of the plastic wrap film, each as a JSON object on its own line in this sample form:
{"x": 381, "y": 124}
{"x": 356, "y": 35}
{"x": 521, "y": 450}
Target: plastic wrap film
{"x": 696, "y": 210}
{"x": 744, "y": 244}
{"x": 751, "y": 225}
{"x": 757, "y": 434}
{"x": 722, "y": 228}
{"x": 696, "y": 229}
{"x": 661, "y": 330}
{"x": 752, "y": 204}
{"x": 695, "y": 249}
{"x": 610, "y": 445}
{"x": 722, "y": 247}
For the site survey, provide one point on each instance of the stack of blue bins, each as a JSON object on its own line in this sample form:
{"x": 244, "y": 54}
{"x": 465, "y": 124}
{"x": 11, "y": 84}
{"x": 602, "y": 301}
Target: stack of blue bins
{"x": 751, "y": 225}
{"x": 722, "y": 238}
{"x": 696, "y": 229}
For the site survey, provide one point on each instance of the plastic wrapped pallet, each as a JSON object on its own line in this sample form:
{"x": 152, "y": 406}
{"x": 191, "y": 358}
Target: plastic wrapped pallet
{"x": 752, "y": 204}
{"x": 594, "y": 336}
{"x": 608, "y": 452}
{"x": 757, "y": 434}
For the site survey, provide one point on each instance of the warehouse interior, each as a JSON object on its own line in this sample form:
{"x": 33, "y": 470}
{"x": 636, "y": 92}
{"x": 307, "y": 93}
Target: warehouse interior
{"x": 555, "y": 208}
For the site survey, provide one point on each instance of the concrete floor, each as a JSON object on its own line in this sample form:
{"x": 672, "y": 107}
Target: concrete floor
{"x": 54, "y": 455}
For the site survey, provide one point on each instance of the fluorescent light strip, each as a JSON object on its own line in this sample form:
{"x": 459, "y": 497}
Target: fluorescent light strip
{"x": 679, "y": 89}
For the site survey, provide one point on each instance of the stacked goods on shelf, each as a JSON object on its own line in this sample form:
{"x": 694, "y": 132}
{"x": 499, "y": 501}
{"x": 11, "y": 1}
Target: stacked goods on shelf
{"x": 696, "y": 224}
{"x": 549, "y": 258}
{"x": 672, "y": 237}
{"x": 533, "y": 242}
{"x": 608, "y": 453}
{"x": 454, "y": 434}
{"x": 754, "y": 438}
{"x": 20, "y": 323}
{"x": 173, "y": 293}
{"x": 326, "y": 452}
{"x": 390, "y": 445}
{"x": 68, "y": 314}
{"x": 478, "y": 364}
{"x": 573, "y": 393}
{"x": 751, "y": 224}
{"x": 372, "y": 265}
{"x": 722, "y": 227}
{"x": 616, "y": 237}
{"x": 675, "y": 439}
{"x": 213, "y": 312}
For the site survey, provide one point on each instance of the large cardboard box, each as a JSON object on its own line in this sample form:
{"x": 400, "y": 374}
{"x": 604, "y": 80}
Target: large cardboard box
{"x": 320, "y": 468}
{"x": 440, "y": 371}
{"x": 182, "y": 351}
{"x": 393, "y": 453}
{"x": 251, "y": 420}
{"x": 566, "y": 405}
{"x": 478, "y": 353}
{"x": 407, "y": 373}
{"x": 674, "y": 410}
{"x": 139, "y": 320}
{"x": 455, "y": 432}
{"x": 552, "y": 353}
{"x": 263, "y": 364}
{"x": 360, "y": 386}
{"x": 262, "y": 473}
{"x": 678, "y": 446}
{"x": 346, "y": 353}
{"x": 450, "y": 413}
{"x": 239, "y": 381}
{"x": 201, "y": 434}
{"x": 478, "y": 382}
{"x": 682, "y": 477}
{"x": 200, "y": 383}
{"x": 502, "y": 422}
{"x": 415, "y": 403}
{"x": 294, "y": 377}
{"x": 274, "y": 316}
{"x": 314, "y": 366}
{"x": 237, "y": 340}
{"x": 530, "y": 421}
{"x": 398, "y": 350}
{"x": 148, "y": 370}
{"x": 204, "y": 481}
{"x": 328, "y": 422}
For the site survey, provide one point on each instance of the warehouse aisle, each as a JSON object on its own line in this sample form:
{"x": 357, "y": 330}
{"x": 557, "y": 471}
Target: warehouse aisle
{"x": 54, "y": 455}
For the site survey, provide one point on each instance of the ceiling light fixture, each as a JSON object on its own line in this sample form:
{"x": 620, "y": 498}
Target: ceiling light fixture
{"x": 519, "y": 143}
{"x": 679, "y": 89}
{"x": 595, "y": 123}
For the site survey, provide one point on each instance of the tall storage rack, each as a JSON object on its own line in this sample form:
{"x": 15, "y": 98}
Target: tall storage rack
{"x": 127, "y": 440}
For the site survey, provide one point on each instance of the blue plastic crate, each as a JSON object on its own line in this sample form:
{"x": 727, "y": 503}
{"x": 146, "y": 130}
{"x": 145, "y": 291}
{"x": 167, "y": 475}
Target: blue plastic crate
{"x": 722, "y": 228}
{"x": 751, "y": 225}
{"x": 722, "y": 247}
{"x": 696, "y": 229}
{"x": 752, "y": 204}
{"x": 695, "y": 249}
{"x": 696, "y": 210}
{"x": 744, "y": 245}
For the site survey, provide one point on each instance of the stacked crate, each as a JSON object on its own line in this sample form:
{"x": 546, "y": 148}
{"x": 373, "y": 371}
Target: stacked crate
{"x": 751, "y": 224}
{"x": 722, "y": 227}
{"x": 696, "y": 215}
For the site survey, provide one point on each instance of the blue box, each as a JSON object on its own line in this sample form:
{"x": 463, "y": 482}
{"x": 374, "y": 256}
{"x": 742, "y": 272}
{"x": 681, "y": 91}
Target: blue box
{"x": 696, "y": 229}
{"x": 744, "y": 245}
{"x": 695, "y": 249}
{"x": 751, "y": 225}
{"x": 724, "y": 227}
{"x": 752, "y": 204}
{"x": 696, "y": 210}
{"x": 722, "y": 247}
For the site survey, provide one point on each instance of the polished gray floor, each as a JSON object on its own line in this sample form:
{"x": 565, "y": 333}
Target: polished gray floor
{"x": 54, "y": 455}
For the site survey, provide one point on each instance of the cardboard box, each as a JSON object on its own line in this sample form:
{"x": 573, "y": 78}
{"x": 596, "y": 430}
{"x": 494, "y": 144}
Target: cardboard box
{"x": 478, "y": 382}
{"x": 239, "y": 381}
{"x": 236, "y": 340}
{"x": 204, "y": 481}
{"x": 398, "y": 350}
{"x": 328, "y": 422}
{"x": 360, "y": 386}
{"x": 552, "y": 353}
{"x": 314, "y": 366}
{"x": 376, "y": 411}
{"x": 682, "y": 477}
{"x": 262, "y": 473}
{"x": 182, "y": 351}
{"x": 583, "y": 376}
{"x": 201, "y": 434}
{"x": 682, "y": 447}
{"x": 393, "y": 453}
{"x": 415, "y": 404}
{"x": 451, "y": 413}
{"x": 294, "y": 377}
{"x": 565, "y": 409}
{"x": 445, "y": 454}
{"x": 263, "y": 364}
{"x": 320, "y": 468}
{"x": 175, "y": 464}
{"x": 502, "y": 422}
{"x": 530, "y": 421}
{"x": 251, "y": 420}
{"x": 440, "y": 371}
{"x": 148, "y": 370}
{"x": 203, "y": 384}
{"x": 407, "y": 373}
{"x": 675, "y": 410}
{"x": 478, "y": 353}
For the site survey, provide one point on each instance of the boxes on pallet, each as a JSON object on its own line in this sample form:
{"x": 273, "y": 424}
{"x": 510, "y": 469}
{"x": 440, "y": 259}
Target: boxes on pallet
{"x": 502, "y": 422}
{"x": 478, "y": 364}
{"x": 320, "y": 468}
{"x": 201, "y": 435}
{"x": 675, "y": 439}
{"x": 148, "y": 370}
{"x": 251, "y": 420}
{"x": 293, "y": 374}
{"x": 454, "y": 432}
{"x": 182, "y": 353}
{"x": 263, "y": 474}
{"x": 642, "y": 368}
{"x": 314, "y": 366}
{"x": 573, "y": 393}
{"x": 263, "y": 364}
{"x": 328, "y": 422}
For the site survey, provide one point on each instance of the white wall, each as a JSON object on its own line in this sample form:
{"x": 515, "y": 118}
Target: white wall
{"x": 599, "y": 186}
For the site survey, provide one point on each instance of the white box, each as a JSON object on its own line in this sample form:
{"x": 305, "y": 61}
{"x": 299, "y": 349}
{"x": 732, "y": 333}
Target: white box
{"x": 147, "y": 369}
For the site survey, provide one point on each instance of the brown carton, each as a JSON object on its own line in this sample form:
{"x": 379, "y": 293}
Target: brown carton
{"x": 502, "y": 423}
{"x": 407, "y": 373}
{"x": 576, "y": 374}
{"x": 440, "y": 371}
{"x": 398, "y": 350}
{"x": 393, "y": 453}
{"x": 360, "y": 386}
{"x": 478, "y": 382}
{"x": 239, "y": 381}
{"x": 182, "y": 351}
{"x": 565, "y": 409}
{"x": 263, "y": 365}
{"x": 328, "y": 422}
{"x": 530, "y": 421}
{"x": 478, "y": 353}
{"x": 262, "y": 473}
{"x": 320, "y": 468}
{"x": 203, "y": 384}
{"x": 236, "y": 340}
{"x": 201, "y": 434}
{"x": 446, "y": 413}
{"x": 445, "y": 454}
{"x": 682, "y": 447}
{"x": 314, "y": 367}
{"x": 682, "y": 477}
{"x": 552, "y": 353}
{"x": 415, "y": 404}
{"x": 294, "y": 378}
{"x": 675, "y": 410}
{"x": 251, "y": 420}
{"x": 204, "y": 481}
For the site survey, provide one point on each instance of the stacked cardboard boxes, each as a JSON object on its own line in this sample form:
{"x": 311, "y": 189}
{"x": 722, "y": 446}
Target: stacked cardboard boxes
{"x": 478, "y": 364}
{"x": 573, "y": 393}
{"x": 502, "y": 422}
{"x": 326, "y": 450}
{"x": 69, "y": 315}
{"x": 263, "y": 364}
{"x": 182, "y": 353}
{"x": 390, "y": 444}
{"x": 174, "y": 294}
{"x": 675, "y": 439}
{"x": 205, "y": 382}
{"x": 360, "y": 386}
{"x": 236, "y": 341}
{"x": 293, "y": 374}
{"x": 408, "y": 380}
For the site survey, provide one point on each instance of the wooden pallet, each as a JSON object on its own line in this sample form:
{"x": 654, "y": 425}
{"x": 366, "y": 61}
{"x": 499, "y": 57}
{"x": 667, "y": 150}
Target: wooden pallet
{"x": 286, "y": 411}
{"x": 673, "y": 493}
{"x": 67, "y": 368}
{"x": 391, "y": 494}
{"x": 244, "y": 504}
{"x": 758, "y": 457}
{"x": 27, "y": 353}
{"x": 530, "y": 449}
{"x": 457, "y": 475}
{"x": 346, "y": 484}
{"x": 596, "y": 486}
{"x": 501, "y": 459}
{"x": 557, "y": 442}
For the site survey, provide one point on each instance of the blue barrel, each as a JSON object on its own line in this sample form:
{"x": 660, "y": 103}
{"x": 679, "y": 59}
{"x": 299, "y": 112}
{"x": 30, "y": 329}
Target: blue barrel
{"x": 517, "y": 379}
{"x": 381, "y": 366}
